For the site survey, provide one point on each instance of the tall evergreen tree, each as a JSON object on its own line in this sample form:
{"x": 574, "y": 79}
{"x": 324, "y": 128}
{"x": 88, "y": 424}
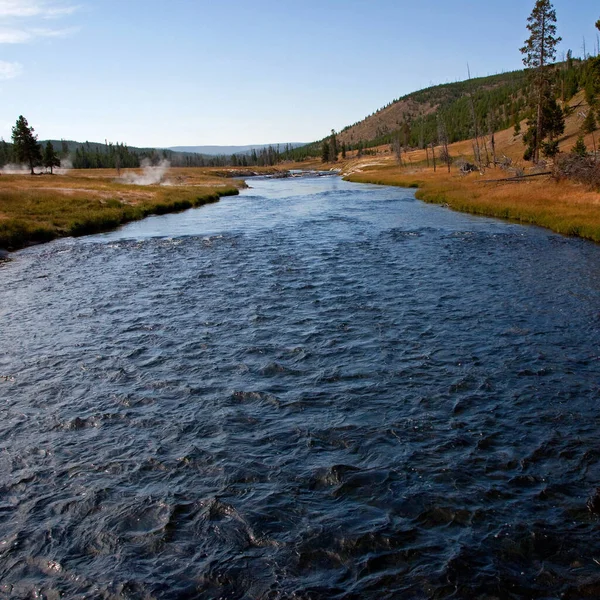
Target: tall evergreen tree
{"x": 26, "y": 147}
{"x": 5, "y": 152}
{"x": 325, "y": 152}
{"x": 51, "y": 159}
{"x": 539, "y": 51}
{"x": 333, "y": 147}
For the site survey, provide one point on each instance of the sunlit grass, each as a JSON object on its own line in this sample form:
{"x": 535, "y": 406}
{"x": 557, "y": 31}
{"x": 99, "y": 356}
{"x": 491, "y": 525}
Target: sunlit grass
{"x": 41, "y": 208}
{"x": 564, "y": 207}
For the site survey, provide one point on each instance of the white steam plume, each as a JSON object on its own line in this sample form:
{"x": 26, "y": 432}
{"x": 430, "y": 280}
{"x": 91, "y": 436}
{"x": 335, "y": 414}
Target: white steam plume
{"x": 66, "y": 164}
{"x": 150, "y": 176}
{"x": 15, "y": 169}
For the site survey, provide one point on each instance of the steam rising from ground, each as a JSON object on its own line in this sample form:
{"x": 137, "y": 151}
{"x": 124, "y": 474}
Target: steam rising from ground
{"x": 22, "y": 169}
{"x": 151, "y": 174}
{"x": 14, "y": 169}
{"x": 65, "y": 165}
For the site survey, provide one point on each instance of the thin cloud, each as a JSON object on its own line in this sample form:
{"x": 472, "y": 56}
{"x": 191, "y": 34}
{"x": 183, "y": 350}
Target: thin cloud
{"x": 35, "y": 8}
{"x": 22, "y": 36}
{"x": 14, "y": 36}
{"x": 21, "y": 20}
{"x": 10, "y": 70}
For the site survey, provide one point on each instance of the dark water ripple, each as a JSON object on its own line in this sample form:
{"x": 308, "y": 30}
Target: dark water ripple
{"x": 315, "y": 390}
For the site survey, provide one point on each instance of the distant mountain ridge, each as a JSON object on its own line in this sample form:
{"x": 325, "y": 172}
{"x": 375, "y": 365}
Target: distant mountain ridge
{"x": 72, "y": 146}
{"x": 228, "y": 150}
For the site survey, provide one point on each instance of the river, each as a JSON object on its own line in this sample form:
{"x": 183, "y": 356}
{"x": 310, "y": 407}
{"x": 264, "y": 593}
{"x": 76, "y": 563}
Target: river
{"x": 316, "y": 389}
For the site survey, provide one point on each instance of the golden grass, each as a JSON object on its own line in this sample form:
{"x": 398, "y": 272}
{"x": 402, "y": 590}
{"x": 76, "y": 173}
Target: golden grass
{"x": 565, "y": 207}
{"x": 40, "y": 208}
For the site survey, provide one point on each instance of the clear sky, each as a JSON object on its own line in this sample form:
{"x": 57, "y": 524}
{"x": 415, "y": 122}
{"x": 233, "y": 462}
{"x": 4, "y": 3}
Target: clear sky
{"x": 198, "y": 72}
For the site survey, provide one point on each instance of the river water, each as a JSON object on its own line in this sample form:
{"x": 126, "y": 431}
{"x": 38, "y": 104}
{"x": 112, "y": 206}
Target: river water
{"x": 316, "y": 389}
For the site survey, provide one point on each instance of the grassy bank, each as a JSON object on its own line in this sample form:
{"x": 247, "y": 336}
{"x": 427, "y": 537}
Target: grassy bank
{"x": 564, "y": 207}
{"x": 40, "y": 208}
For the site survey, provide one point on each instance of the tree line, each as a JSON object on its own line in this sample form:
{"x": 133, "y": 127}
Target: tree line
{"x": 25, "y": 149}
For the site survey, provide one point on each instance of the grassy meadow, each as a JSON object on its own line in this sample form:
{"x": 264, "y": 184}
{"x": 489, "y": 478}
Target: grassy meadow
{"x": 39, "y": 208}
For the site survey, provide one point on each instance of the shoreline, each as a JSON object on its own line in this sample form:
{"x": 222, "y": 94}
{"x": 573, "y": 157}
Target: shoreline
{"x": 90, "y": 201}
{"x": 24, "y": 238}
{"x": 36, "y": 210}
{"x": 563, "y": 207}
{"x": 96, "y": 204}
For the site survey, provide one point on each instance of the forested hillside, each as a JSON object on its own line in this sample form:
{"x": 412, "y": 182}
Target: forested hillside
{"x": 457, "y": 111}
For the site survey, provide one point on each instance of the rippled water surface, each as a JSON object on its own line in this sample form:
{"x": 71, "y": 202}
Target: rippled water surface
{"x": 313, "y": 390}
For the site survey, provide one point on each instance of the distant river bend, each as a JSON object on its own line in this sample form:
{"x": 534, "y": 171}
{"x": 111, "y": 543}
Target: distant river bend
{"x": 316, "y": 389}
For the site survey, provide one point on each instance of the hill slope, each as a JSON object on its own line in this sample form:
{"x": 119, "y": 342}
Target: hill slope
{"x": 502, "y": 94}
{"x": 497, "y": 102}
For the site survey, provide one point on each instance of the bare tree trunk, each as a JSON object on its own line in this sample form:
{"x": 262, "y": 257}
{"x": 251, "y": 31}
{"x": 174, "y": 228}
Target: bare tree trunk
{"x": 433, "y": 155}
{"x": 443, "y": 139}
{"x": 487, "y": 154}
{"x": 397, "y": 149}
{"x": 538, "y": 126}
{"x": 474, "y": 117}
{"x": 492, "y": 129}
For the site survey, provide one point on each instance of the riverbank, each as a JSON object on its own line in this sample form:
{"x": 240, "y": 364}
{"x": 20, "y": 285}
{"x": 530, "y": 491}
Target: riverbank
{"x": 36, "y": 209}
{"x": 564, "y": 207}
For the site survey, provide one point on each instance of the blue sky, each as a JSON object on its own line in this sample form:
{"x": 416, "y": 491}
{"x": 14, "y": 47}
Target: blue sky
{"x": 198, "y": 72}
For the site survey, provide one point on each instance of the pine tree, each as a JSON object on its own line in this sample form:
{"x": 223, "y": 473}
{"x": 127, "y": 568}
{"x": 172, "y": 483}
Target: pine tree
{"x": 325, "y": 152}
{"x": 26, "y": 148}
{"x": 51, "y": 159}
{"x": 553, "y": 125}
{"x": 539, "y": 51}
{"x": 579, "y": 149}
{"x": 589, "y": 123}
{"x": 5, "y": 152}
{"x": 333, "y": 147}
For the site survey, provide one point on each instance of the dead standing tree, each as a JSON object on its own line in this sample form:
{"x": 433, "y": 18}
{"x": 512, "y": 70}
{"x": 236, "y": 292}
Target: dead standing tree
{"x": 397, "y": 148}
{"x": 476, "y": 146}
{"x": 422, "y": 143}
{"x": 492, "y": 126}
{"x": 443, "y": 138}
